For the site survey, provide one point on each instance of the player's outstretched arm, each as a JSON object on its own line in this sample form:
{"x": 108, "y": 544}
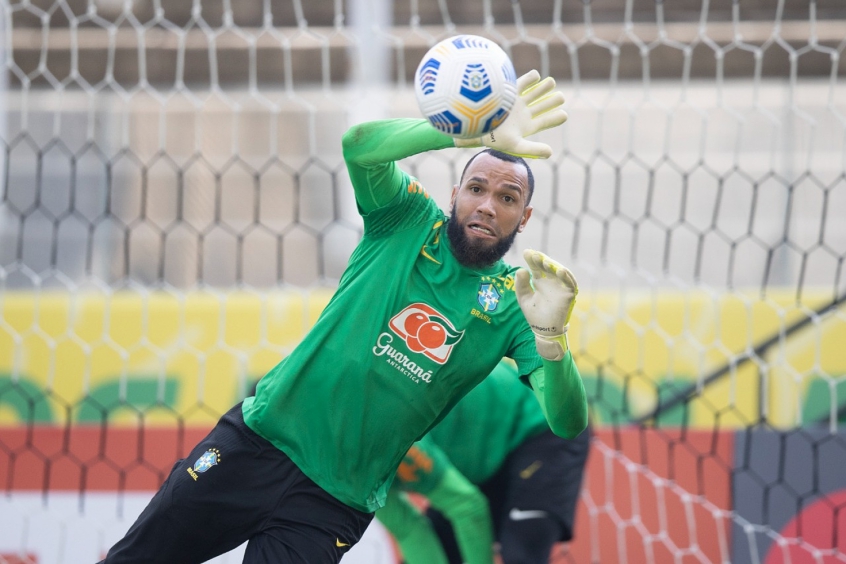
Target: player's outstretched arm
{"x": 371, "y": 150}
{"x": 413, "y": 532}
{"x": 538, "y": 107}
{"x": 547, "y": 293}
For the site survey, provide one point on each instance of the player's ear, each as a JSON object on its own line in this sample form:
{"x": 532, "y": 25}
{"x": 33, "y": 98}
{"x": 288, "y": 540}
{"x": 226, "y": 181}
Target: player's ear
{"x": 453, "y": 196}
{"x": 527, "y": 213}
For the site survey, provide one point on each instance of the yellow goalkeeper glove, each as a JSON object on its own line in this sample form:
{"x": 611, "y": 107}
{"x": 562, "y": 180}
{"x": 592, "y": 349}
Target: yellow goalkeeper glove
{"x": 547, "y": 301}
{"x": 537, "y": 107}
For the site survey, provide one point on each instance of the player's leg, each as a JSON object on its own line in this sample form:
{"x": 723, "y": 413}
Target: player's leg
{"x": 214, "y": 499}
{"x": 446, "y": 534}
{"x": 544, "y": 478}
{"x": 307, "y": 526}
{"x": 529, "y": 542}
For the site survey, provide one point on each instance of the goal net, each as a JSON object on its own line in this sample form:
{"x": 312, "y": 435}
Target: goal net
{"x": 175, "y": 212}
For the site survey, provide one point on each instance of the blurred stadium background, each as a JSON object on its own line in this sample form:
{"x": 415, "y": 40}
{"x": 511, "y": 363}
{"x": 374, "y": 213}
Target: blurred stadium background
{"x": 175, "y": 212}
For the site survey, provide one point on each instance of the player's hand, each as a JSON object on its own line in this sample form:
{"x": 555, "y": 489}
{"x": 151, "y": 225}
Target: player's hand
{"x": 537, "y": 107}
{"x": 547, "y": 299}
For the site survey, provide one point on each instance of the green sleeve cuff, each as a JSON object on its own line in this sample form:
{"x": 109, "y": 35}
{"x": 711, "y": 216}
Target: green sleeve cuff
{"x": 561, "y": 393}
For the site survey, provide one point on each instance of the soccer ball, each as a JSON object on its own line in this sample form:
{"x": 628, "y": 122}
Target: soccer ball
{"x": 465, "y": 86}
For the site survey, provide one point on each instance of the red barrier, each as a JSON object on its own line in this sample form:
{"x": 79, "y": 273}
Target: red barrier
{"x": 91, "y": 458}
{"x": 648, "y": 496}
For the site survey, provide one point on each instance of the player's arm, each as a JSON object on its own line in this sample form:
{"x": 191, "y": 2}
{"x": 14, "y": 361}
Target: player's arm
{"x": 417, "y": 541}
{"x": 427, "y": 470}
{"x": 559, "y": 389}
{"x": 371, "y": 150}
{"x": 547, "y": 293}
{"x": 467, "y": 510}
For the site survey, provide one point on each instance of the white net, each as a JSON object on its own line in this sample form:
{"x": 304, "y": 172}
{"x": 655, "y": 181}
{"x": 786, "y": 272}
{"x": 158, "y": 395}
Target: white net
{"x": 174, "y": 212}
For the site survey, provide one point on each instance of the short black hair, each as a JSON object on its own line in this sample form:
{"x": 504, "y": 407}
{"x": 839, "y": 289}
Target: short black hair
{"x": 507, "y": 158}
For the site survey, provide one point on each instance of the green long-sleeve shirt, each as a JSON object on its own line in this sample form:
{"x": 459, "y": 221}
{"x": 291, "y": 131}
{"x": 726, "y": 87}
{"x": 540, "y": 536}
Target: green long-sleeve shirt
{"x": 364, "y": 384}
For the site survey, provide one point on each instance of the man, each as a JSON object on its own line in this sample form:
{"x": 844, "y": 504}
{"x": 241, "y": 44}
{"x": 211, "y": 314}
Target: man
{"x": 491, "y": 469}
{"x": 299, "y": 469}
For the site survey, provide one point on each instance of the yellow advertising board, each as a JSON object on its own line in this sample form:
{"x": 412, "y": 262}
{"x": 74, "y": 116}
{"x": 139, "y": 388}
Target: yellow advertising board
{"x": 190, "y": 356}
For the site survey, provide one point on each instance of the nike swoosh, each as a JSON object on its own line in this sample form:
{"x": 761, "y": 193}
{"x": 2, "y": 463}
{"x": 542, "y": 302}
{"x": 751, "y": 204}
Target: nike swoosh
{"x": 340, "y": 544}
{"x": 428, "y": 256}
{"x": 527, "y": 472}
{"x": 518, "y": 515}
{"x": 435, "y": 242}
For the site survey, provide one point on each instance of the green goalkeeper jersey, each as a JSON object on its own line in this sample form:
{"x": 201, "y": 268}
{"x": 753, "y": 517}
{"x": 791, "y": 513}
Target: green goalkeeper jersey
{"x": 407, "y": 334}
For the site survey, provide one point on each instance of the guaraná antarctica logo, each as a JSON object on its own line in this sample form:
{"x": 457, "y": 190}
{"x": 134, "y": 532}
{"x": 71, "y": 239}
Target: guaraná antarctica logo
{"x": 425, "y": 331}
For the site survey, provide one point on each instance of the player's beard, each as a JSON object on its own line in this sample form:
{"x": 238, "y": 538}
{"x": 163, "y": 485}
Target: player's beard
{"x": 475, "y": 254}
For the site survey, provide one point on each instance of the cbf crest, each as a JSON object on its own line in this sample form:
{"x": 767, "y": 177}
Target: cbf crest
{"x": 209, "y": 458}
{"x": 488, "y": 296}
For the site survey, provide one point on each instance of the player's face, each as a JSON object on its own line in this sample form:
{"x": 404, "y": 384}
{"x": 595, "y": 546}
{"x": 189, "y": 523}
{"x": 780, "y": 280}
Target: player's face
{"x": 489, "y": 208}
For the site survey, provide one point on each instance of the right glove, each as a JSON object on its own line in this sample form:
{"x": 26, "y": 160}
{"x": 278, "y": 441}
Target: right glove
{"x": 547, "y": 301}
{"x": 537, "y": 107}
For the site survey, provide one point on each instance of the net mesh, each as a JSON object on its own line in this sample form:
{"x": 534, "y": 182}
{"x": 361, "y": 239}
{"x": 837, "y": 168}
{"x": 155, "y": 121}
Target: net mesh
{"x": 174, "y": 213}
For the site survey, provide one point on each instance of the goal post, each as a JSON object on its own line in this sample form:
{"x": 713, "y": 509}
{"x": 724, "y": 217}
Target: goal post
{"x": 175, "y": 213}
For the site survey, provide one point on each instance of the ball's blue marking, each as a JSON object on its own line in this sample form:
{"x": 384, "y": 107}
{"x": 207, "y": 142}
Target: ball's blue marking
{"x": 446, "y": 122}
{"x": 428, "y": 76}
{"x": 495, "y": 120}
{"x": 475, "y": 82}
{"x": 467, "y": 41}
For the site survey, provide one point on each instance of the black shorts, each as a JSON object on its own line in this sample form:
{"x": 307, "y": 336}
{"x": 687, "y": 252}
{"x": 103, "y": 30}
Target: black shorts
{"x": 234, "y": 487}
{"x": 543, "y": 476}
{"x": 532, "y": 499}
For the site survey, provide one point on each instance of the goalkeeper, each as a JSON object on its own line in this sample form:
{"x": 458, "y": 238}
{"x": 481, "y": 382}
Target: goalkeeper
{"x": 424, "y": 311}
{"x": 491, "y": 469}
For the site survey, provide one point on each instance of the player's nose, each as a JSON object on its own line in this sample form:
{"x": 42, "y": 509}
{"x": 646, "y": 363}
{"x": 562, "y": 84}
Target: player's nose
{"x": 486, "y": 206}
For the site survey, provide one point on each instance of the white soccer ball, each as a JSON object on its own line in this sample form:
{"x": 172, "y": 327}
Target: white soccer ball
{"x": 465, "y": 86}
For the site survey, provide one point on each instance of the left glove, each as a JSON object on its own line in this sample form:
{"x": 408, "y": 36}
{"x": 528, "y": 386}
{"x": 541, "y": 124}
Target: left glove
{"x": 547, "y": 298}
{"x": 537, "y": 107}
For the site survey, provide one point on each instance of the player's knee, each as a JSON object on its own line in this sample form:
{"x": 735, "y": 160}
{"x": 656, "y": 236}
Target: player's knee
{"x": 529, "y": 541}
